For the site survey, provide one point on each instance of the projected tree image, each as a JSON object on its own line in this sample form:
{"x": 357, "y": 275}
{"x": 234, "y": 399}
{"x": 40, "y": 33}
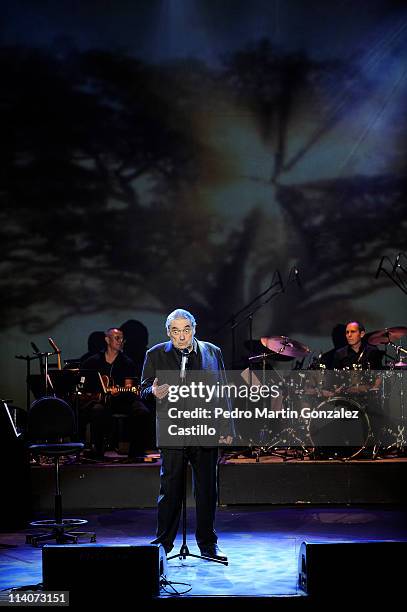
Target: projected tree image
{"x": 155, "y": 185}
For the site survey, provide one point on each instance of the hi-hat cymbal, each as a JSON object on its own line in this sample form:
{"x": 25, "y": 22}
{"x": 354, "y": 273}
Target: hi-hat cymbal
{"x": 285, "y": 346}
{"x": 384, "y": 336}
{"x": 259, "y": 350}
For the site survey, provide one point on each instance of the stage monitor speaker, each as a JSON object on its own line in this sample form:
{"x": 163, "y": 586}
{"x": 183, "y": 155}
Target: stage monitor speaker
{"x": 362, "y": 569}
{"x": 94, "y": 573}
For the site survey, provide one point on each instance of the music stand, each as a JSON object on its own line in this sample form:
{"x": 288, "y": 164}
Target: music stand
{"x": 91, "y": 381}
{"x": 29, "y": 376}
{"x": 64, "y": 382}
{"x": 36, "y": 385}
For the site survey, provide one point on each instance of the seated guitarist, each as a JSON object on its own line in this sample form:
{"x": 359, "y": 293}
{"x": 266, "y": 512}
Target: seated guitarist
{"x": 118, "y": 372}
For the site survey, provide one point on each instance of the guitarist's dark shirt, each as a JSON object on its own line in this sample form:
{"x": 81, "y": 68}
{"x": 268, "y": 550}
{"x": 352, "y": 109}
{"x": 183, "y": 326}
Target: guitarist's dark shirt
{"x": 121, "y": 368}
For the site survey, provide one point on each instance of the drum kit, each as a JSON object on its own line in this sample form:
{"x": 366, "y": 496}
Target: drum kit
{"x": 377, "y": 428}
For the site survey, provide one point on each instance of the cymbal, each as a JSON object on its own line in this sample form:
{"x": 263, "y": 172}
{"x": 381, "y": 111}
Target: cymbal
{"x": 267, "y": 356}
{"x": 384, "y": 336}
{"x": 263, "y": 352}
{"x": 285, "y": 346}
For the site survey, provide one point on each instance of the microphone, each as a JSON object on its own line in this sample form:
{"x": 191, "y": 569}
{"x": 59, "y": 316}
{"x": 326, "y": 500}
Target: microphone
{"x": 54, "y": 346}
{"x": 380, "y": 268}
{"x": 184, "y": 359}
{"x": 297, "y": 277}
{"x": 396, "y": 263}
{"x": 280, "y": 280}
{"x": 35, "y": 347}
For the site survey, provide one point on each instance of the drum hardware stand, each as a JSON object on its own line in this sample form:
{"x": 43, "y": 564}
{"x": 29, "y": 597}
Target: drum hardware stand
{"x": 290, "y": 441}
{"x": 262, "y": 449}
{"x": 400, "y": 442}
{"x": 299, "y": 450}
{"x": 399, "y": 439}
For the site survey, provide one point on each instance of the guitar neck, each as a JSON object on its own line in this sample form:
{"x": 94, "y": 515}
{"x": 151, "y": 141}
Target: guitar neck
{"x": 123, "y": 389}
{"x": 109, "y": 388}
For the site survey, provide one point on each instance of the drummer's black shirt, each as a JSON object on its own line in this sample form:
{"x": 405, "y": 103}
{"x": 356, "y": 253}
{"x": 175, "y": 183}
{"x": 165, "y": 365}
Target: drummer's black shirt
{"x": 367, "y": 357}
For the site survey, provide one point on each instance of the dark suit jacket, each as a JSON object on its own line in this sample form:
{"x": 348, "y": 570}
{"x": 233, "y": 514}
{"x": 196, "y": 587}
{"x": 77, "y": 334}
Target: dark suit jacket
{"x": 164, "y": 357}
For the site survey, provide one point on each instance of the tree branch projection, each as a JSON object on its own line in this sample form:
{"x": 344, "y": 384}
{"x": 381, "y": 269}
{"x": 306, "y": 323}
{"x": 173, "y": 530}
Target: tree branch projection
{"x": 120, "y": 187}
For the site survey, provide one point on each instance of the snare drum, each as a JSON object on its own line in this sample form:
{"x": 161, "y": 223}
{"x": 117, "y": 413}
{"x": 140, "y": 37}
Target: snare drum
{"x": 339, "y": 428}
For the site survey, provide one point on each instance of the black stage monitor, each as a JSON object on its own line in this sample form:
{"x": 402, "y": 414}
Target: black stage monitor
{"x": 363, "y": 569}
{"x": 118, "y": 574}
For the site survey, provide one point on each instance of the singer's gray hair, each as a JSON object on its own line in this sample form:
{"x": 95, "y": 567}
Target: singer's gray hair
{"x": 179, "y": 313}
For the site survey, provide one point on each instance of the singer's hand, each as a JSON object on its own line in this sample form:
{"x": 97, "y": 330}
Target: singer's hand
{"x": 159, "y": 391}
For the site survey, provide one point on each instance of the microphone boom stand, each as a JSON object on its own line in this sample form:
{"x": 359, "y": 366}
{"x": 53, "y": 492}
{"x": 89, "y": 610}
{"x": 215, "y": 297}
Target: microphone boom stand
{"x": 184, "y": 550}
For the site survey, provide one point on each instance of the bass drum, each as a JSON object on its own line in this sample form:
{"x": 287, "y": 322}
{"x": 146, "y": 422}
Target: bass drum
{"x": 339, "y": 429}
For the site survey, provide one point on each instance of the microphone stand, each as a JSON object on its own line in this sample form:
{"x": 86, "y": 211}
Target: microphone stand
{"x": 184, "y": 550}
{"x": 234, "y": 322}
{"x": 276, "y": 281}
{"x": 293, "y": 276}
{"x": 28, "y": 361}
{"x": 46, "y": 356}
{"x": 393, "y": 275}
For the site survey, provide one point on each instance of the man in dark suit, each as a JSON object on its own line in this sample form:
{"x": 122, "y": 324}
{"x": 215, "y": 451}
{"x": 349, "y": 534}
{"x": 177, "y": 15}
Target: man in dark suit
{"x": 207, "y": 357}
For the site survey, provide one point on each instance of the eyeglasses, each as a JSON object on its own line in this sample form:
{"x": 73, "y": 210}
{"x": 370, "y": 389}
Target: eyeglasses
{"x": 118, "y": 338}
{"x": 176, "y": 332}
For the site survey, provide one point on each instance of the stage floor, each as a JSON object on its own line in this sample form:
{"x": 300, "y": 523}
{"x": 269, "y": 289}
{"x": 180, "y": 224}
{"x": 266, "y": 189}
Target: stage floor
{"x": 262, "y": 543}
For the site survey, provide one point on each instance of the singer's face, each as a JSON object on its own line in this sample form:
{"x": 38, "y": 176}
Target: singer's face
{"x": 181, "y": 333}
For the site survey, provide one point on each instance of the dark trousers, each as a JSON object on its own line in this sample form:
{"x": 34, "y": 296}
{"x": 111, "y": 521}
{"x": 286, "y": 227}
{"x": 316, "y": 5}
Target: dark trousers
{"x": 204, "y": 469}
{"x": 99, "y": 415}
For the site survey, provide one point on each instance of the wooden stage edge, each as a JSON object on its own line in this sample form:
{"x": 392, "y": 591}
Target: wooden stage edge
{"x": 241, "y": 482}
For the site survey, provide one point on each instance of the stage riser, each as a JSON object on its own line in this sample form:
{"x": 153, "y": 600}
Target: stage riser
{"x": 314, "y": 483}
{"x": 101, "y": 486}
{"x": 240, "y": 484}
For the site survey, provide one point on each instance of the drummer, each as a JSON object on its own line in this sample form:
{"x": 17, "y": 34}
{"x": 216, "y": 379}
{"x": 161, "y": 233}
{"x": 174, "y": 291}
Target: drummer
{"x": 364, "y": 387}
{"x": 357, "y": 354}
